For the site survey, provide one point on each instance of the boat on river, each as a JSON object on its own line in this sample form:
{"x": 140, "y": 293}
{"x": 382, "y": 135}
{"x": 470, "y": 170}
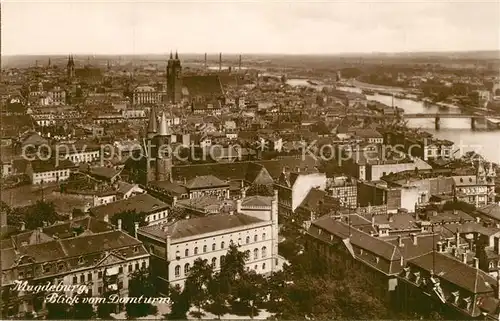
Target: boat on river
{"x": 368, "y": 92}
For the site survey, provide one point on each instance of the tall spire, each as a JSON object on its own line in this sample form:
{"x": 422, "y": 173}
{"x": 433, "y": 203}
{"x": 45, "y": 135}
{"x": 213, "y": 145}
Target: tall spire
{"x": 152, "y": 125}
{"x": 171, "y": 57}
{"x": 176, "y": 55}
{"x": 164, "y": 130}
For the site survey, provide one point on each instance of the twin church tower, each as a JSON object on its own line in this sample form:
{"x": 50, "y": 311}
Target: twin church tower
{"x": 174, "y": 79}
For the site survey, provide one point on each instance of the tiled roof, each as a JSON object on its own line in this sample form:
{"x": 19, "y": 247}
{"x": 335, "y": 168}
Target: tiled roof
{"x": 358, "y": 238}
{"x": 40, "y": 166}
{"x": 142, "y": 203}
{"x": 205, "y": 181}
{"x": 207, "y": 85}
{"x": 200, "y": 225}
{"x": 455, "y": 272}
{"x": 172, "y": 188}
{"x": 256, "y": 200}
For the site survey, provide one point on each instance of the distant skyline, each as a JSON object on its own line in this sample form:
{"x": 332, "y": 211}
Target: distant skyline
{"x": 232, "y": 27}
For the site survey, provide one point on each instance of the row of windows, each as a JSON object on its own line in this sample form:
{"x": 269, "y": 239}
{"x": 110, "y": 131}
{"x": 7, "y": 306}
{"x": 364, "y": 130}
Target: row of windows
{"x": 52, "y": 174}
{"x": 187, "y": 267}
{"x": 130, "y": 269}
{"x": 223, "y": 245}
{"x": 154, "y": 216}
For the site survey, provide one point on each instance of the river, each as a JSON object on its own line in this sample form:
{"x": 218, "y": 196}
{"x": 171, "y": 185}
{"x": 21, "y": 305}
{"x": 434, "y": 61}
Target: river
{"x": 482, "y": 141}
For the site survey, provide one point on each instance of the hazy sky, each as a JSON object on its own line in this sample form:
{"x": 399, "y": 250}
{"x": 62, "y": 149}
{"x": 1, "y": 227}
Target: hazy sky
{"x": 127, "y": 27}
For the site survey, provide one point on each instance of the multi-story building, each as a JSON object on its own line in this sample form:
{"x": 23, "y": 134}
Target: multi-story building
{"x": 48, "y": 171}
{"x": 67, "y": 254}
{"x": 146, "y": 95}
{"x": 294, "y": 185}
{"x": 156, "y": 211}
{"x": 344, "y": 189}
{"x": 478, "y": 189}
{"x": 253, "y": 228}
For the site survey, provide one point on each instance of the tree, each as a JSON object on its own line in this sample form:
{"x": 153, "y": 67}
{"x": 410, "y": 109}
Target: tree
{"x": 258, "y": 189}
{"x": 180, "y": 303}
{"x": 249, "y": 294}
{"x": 141, "y": 283}
{"x": 218, "y": 296}
{"x": 81, "y": 310}
{"x": 459, "y": 206}
{"x": 34, "y": 216}
{"x": 57, "y": 311}
{"x": 177, "y": 213}
{"x": 129, "y": 218}
{"x": 197, "y": 282}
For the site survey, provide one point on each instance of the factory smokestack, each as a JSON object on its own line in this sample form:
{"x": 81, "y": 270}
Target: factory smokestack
{"x": 239, "y": 64}
{"x": 205, "y": 60}
{"x": 220, "y": 61}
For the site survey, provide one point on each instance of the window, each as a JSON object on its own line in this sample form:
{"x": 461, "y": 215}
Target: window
{"x": 137, "y": 266}
{"x": 214, "y": 262}
{"x": 263, "y": 236}
{"x": 99, "y": 275}
{"x": 204, "y": 249}
{"x": 263, "y": 266}
{"x": 213, "y": 247}
{"x": 255, "y": 238}
{"x": 75, "y": 280}
{"x": 130, "y": 267}
{"x": 255, "y": 267}
{"x": 120, "y": 270}
{"x": 222, "y": 259}
{"x": 248, "y": 239}
{"x": 186, "y": 252}
{"x": 143, "y": 264}
{"x": 177, "y": 271}
{"x": 264, "y": 251}
{"x": 89, "y": 277}
{"x": 80, "y": 260}
{"x": 186, "y": 268}
{"x": 247, "y": 255}
{"x": 255, "y": 254}
{"x": 99, "y": 290}
{"x": 222, "y": 245}
{"x": 195, "y": 250}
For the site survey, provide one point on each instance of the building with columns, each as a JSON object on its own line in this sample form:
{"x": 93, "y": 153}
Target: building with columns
{"x": 174, "y": 247}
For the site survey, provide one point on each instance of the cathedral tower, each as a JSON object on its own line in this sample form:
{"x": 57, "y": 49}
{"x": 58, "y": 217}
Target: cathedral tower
{"x": 70, "y": 68}
{"x": 174, "y": 79}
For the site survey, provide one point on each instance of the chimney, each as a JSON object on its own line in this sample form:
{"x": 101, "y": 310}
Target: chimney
{"x": 70, "y": 216}
{"x": 238, "y": 206}
{"x": 478, "y": 220}
{"x": 476, "y": 263}
{"x": 390, "y": 218}
{"x": 464, "y": 258}
{"x": 174, "y": 201}
{"x": 440, "y": 247}
{"x": 205, "y": 60}
{"x": 373, "y": 220}
{"x": 276, "y": 195}
{"x": 400, "y": 241}
{"x": 106, "y": 218}
{"x": 119, "y": 224}
{"x": 220, "y": 61}
{"x": 455, "y": 212}
{"x": 457, "y": 239}
{"x": 23, "y": 226}
{"x": 414, "y": 238}
{"x": 136, "y": 227}
{"x": 243, "y": 193}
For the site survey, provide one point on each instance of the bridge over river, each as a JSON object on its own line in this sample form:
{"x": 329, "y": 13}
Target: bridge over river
{"x": 437, "y": 118}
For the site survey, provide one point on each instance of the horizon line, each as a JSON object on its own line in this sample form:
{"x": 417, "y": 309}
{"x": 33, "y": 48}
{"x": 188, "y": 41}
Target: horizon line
{"x": 258, "y": 53}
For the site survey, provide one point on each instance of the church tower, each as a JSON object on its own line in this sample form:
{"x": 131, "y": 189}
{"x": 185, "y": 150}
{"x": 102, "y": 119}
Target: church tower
{"x": 164, "y": 152}
{"x": 158, "y": 150}
{"x": 70, "y": 68}
{"x": 481, "y": 172}
{"x": 174, "y": 79}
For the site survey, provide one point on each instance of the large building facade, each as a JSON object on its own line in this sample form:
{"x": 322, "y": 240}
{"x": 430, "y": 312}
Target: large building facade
{"x": 175, "y": 247}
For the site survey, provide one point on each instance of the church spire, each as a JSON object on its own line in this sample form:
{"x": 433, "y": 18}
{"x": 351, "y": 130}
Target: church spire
{"x": 152, "y": 124}
{"x": 171, "y": 57}
{"x": 176, "y": 55}
{"x": 164, "y": 130}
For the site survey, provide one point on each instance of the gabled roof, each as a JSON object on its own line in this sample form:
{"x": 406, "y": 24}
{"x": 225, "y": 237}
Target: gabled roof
{"x": 456, "y": 272}
{"x": 257, "y": 201}
{"x": 200, "y": 225}
{"x": 142, "y": 203}
{"x": 206, "y": 181}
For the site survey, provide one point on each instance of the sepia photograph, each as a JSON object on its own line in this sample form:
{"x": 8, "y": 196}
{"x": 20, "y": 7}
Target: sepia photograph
{"x": 255, "y": 159}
